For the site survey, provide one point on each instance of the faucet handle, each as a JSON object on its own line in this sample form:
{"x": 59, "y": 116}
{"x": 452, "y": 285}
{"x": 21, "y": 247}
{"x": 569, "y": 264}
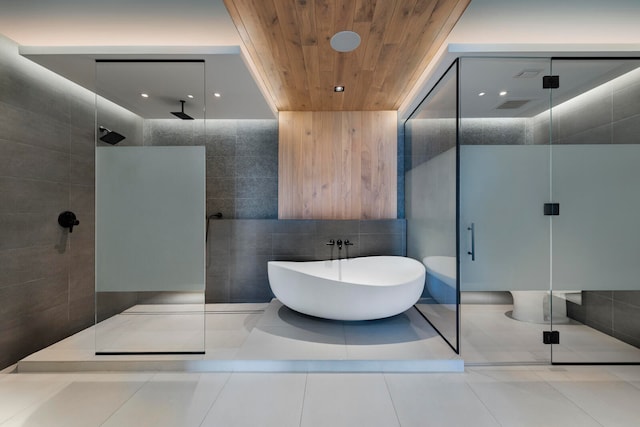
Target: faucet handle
{"x": 330, "y": 243}
{"x": 348, "y": 243}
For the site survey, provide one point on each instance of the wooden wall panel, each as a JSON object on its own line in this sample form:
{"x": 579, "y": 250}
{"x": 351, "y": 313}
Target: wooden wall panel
{"x": 337, "y": 165}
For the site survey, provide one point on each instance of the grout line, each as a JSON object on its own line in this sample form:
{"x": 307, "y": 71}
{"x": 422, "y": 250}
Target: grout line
{"x": 584, "y": 411}
{"x": 304, "y": 397}
{"x": 216, "y": 397}
{"x": 395, "y": 410}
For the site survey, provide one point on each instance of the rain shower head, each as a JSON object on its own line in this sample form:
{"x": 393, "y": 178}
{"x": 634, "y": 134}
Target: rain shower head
{"x": 110, "y": 137}
{"x": 181, "y": 114}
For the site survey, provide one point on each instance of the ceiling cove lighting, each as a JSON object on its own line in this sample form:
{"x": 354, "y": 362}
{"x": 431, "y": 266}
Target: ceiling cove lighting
{"x": 503, "y": 93}
{"x": 338, "y": 88}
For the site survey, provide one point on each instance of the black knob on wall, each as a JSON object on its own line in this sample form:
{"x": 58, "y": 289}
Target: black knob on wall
{"x": 68, "y": 220}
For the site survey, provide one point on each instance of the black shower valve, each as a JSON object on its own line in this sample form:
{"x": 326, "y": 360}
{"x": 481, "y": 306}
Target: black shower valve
{"x": 67, "y": 219}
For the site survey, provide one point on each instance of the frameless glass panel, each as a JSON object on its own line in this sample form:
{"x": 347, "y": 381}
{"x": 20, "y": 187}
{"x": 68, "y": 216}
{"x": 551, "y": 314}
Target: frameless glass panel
{"x": 430, "y": 195}
{"x": 150, "y": 207}
{"x": 504, "y": 234}
{"x": 596, "y": 153}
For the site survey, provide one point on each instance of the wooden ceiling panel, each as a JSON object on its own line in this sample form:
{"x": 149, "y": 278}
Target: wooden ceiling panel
{"x": 288, "y": 42}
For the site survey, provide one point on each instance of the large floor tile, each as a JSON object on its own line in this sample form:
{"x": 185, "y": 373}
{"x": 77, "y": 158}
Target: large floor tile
{"x": 437, "y": 400}
{"x": 347, "y": 400}
{"x": 80, "y": 403}
{"x": 530, "y": 404}
{"x": 265, "y": 400}
{"x": 170, "y": 400}
{"x": 611, "y": 403}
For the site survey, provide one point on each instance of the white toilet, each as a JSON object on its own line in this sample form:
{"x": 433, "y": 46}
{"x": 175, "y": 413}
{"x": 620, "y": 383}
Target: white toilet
{"x": 533, "y": 306}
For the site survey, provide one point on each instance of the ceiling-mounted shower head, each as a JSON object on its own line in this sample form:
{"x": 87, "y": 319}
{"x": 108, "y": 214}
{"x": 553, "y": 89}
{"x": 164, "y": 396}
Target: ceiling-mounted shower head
{"x": 110, "y": 137}
{"x": 181, "y": 114}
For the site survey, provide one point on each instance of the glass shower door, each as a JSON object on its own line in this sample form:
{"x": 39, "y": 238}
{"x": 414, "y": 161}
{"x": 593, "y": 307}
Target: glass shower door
{"x": 596, "y": 261}
{"x": 504, "y": 234}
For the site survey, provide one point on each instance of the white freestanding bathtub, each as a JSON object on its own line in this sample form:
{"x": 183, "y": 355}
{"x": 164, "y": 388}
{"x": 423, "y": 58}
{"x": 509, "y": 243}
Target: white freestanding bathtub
{"x": 363, "y": 288}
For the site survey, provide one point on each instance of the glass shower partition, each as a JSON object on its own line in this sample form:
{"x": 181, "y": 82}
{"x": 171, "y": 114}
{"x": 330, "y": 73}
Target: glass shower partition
{"x": 596, "y": 158}
{"x": 431, "y": 156}
{"x": 150, "y": 207}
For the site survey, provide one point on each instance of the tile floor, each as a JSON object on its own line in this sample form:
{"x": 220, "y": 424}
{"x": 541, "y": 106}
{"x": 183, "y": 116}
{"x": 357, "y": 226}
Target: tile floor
{"x": 255, "y": 337}
{"x": 580, "y": 396}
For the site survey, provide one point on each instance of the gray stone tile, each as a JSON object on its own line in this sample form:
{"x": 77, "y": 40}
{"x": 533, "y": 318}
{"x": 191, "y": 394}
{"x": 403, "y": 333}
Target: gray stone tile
{"x": 217, "y": 289}
{"x": 219, "y": 264}
{"x": 26, "y": 161}
{"x": 29, "y": 196}
{"x": 257, "y": 208}
{"x": 109, "y": 304}
{"x": 382, "y": 226}
{"x": 626, "y": 319}
{"x": 257, "y": 166}
{"x": 227, "y": 207}
{"x": 257, "y": 188}
{"x": 599, "y": 311}
{"x": 25, "y": 230}
{"x": 82, "y": 199}
{"x": 221, "y": 167}
{"x": 31, "y": 263}
{"x": 381, "y": 244}
{"x": 295, "y": 226}
{"x": 337, "y": 228}
{"x": 18, "y": 125}
{"x": 627, "y": 297}
{"x": 250, "y": 290}
{"x": 82, "y": 170}
{"x": 625, "y": 102}
{"x": 626, "y": 131}
{"x": 290, "y": 244}
{"x": 32, "y": 298}
{"x": 82, "y": 276}
{"x": 597, "y": 135}
{"x": 221, "y": 188}
{"x": 595, "y": 114}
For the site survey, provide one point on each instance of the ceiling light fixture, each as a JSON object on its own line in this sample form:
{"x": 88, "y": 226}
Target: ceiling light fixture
{"x": 190, "y": 96}
{"x": 481, "y": 94}
{"x": 345, "y": 41}
{"x": 503, "y": 93}
{"x": 144, "y": 95}
{"x": 217, "y": 95}
{"x": 338, "y": 88}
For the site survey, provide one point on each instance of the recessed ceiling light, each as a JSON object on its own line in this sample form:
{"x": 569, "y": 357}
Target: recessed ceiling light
{"x": 217, "y": 95}
{"x": 338, "y": 88}
{"x": 144, "y": 95}
{"x": 345, "y": 41}
{"x": 503, "y": 93}
{"x": 481, "y": 94}
{"x": 190, "y": 96}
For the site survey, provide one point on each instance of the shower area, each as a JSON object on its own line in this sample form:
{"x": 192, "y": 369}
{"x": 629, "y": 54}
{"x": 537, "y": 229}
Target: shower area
{"x": 521, "y": 187}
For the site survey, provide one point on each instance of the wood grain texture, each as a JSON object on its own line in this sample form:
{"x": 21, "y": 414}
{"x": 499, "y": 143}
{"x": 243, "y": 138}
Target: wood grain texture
{"x": 337, "y": 165}
{"x": 288, "y": 42}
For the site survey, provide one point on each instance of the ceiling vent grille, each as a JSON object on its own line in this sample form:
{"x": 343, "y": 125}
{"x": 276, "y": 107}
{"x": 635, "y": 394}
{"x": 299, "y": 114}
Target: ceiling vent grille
{"x": 512, "y": 105}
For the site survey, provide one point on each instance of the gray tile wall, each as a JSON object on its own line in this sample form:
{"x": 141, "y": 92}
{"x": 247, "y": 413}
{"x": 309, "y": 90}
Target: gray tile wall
{"x": 238, "y": 250}
{"x": 616, "y": 313}
{"x": 242, "y": 162}
{"x": 46, "y": 166}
